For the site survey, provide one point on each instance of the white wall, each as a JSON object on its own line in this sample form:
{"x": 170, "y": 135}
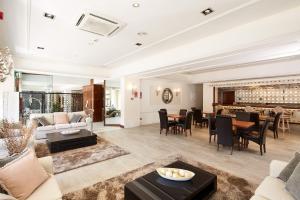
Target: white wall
{"x": 130, "y": 106}
{"x": 188, "y": 98}
{"x": 208, "y": 95}
{"x": 9, "y": 100}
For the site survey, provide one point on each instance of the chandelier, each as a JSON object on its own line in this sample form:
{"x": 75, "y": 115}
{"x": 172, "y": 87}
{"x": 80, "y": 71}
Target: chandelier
{"x": 6, "y": 63}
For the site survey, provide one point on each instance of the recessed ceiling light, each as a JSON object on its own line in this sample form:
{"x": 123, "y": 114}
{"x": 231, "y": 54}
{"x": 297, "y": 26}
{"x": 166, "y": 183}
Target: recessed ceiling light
{"x": 41, "y": 48}
{"x": 207, "y": 11}
{"x": 142, "y": 33}
{"x": 135, "y": 5}
{"x": 138, "y": 44}
{"x": 48, "y": 15}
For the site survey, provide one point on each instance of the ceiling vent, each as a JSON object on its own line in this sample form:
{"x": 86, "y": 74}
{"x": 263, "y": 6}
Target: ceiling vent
{"x": 99, "y": 25}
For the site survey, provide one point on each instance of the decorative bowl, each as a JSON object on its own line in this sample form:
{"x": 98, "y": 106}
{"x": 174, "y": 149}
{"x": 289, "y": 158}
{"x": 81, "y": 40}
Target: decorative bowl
{"x": 175, "y": 174}
{"x": 67, "y": 132}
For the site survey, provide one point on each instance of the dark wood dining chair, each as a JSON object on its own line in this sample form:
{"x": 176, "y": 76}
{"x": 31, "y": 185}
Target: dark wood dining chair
{"x": 212, "y": 127}
{"x": 193, "y": 109}
{"x": 165, "y": 123}
{"x": 243, "y": 116}
{"x": 274, "y": 127}
{"x": 224, "y": 131}
{"x": 219, "y": 112}
{"x": 254, "y": 117}
{"x": 199, "y": 119}
{"x": 165, "y": 110}
{"x": 258, "y": 137}
{"x": 187, "y": 124}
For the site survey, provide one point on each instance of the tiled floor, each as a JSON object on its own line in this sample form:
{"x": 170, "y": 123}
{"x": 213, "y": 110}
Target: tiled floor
{"x": 147, "y": 145}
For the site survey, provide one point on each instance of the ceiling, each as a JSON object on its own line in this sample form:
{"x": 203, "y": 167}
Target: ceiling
{"x": 168, "y": 24}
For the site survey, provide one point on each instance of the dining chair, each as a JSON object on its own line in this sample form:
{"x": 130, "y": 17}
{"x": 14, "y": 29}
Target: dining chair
{"x": 243, "y": 116}
{"x": 165, "y": 110}
{"x": 199, "y": 120}
{"x": 219, "y": 112}
{"x": 182, "y": 112}
{"x": 212, "y": 127}
{"x": 274, "y": 127}
{"x": 165, "y": 123}
{"x": 258, "y": 137}
{"x": 224, "y": 131}
{"x": 254, "y": 117}
{"x": 193, "y": 109}
{"x": 187, "y": 124}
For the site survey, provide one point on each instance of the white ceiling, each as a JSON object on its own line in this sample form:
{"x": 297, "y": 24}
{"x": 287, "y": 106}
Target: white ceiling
{"x": 169, "y": 24}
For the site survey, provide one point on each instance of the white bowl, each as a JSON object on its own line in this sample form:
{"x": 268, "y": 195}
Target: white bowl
{"x": 67, "y": 132}
{"x": 175, "y": 174}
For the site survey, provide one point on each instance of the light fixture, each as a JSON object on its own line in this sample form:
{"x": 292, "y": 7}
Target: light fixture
{"x": 142, "y": 33}
{"x": 158, "y": 90}
{"x": 207, "y": 11}
{"x": 138, "y": 44}
{"x": 134, "y": 91}
{"x": 135, "y": 5}
{"x": 48, "y": 15}
{"x": 6, "y": 63}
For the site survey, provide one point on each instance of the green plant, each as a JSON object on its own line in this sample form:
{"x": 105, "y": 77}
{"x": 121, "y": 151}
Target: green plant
{"x": 56, "y": 107}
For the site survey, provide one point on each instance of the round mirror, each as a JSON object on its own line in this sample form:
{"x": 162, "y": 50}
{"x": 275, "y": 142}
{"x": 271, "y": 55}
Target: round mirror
{"x": 167, "y": 96}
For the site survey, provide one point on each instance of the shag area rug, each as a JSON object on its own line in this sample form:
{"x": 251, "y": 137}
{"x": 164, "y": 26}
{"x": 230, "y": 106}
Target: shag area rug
{"x": 229, "y": 186}
{"x": 75, "y": 158}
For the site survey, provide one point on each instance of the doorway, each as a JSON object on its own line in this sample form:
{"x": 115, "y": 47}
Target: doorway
{"x": 112, "y": 113}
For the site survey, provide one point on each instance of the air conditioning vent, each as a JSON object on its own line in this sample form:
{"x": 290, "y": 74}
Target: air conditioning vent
{"x": 99, "y": 25}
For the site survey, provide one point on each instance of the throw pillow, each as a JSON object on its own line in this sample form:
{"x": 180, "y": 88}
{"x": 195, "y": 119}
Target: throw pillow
{"x": 293, "y": 184}
{"x": 288, "y": 170}
{"x": 42, "y": 121}
{"x": 76, "y": 118}
{"x": 23, "y": 175}
{"x": 61, "y": 118}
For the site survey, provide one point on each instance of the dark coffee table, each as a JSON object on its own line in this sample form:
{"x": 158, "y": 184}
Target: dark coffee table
{"x": 58, "y": 142}
{"x": 153, "y": 187}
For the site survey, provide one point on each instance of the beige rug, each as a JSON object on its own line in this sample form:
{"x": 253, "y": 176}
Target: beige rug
{"x": 229, "y": 186}
{"x": 75, "y": 158}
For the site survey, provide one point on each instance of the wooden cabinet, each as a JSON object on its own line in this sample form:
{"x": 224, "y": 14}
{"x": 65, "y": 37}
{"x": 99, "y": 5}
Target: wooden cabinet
{"x": 93, "y": 99}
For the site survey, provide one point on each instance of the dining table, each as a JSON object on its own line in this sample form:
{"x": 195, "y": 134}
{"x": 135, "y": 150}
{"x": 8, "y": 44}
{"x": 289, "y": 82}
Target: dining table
{"x": 242, "y": 124}
{"x": 176, "y": 116}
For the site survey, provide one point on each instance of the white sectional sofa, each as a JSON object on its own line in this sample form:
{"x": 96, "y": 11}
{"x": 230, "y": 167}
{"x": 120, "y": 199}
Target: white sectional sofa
{"x": 42, "y": 131}
{"x": 272, "y": 188}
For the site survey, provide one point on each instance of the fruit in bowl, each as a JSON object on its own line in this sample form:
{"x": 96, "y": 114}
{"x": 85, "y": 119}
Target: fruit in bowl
{"x": 175, "y": 174}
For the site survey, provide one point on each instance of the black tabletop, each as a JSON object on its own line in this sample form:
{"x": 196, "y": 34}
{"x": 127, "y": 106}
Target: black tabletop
{"x": 156, "y": 187}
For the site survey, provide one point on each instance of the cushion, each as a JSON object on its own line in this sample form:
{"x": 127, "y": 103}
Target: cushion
{"x": 42, "y": 121}
{"x": 288, "y": 170}
{"x": 62, "y": 126}
{"x": 293, "y": 184}
{"x": 49, "y": 190}
{"x": 273, "y": 188}
{"x": 45, "y": 128}
{"x": 79, "y": 124}
{"x": 23, "y": 175}
{"x": 48, "y": 116}
{"x": 75, "y": 118}
{"x": 61, "y": 118}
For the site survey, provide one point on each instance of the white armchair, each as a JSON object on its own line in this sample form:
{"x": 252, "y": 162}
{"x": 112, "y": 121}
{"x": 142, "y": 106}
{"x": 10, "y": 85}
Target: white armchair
{"x": 49, "y": 190}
